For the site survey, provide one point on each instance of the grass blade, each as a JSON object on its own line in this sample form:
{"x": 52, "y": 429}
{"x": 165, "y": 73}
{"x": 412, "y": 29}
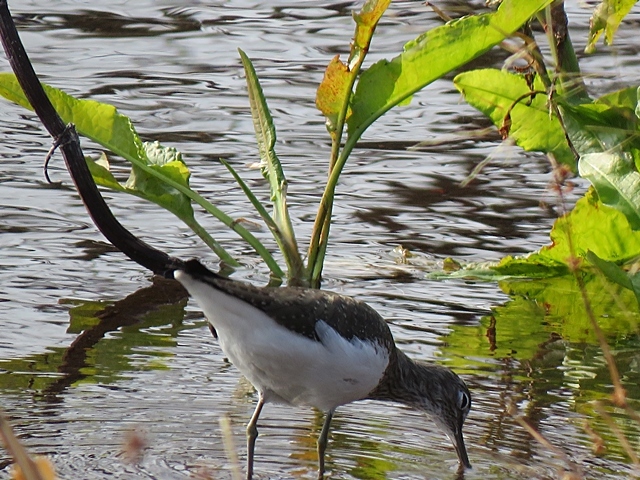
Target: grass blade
{"x": 272, "y": 170}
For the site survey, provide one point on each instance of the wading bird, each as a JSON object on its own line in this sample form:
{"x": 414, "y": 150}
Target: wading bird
{"x": 309, "y": 347}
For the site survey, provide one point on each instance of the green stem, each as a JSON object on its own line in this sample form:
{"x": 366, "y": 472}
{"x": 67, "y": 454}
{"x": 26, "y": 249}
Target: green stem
{"x": 342, "y": 116}
{"x": 290, "y": 252}
{"x": 245, "y": 234}
{"x": 555, "y": 24}
{"x": 212, "y": 243}
{"x": 321, "y": 227}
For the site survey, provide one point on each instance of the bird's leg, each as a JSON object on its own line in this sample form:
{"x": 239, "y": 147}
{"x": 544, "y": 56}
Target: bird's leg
{"x": 252, "y": 434}
{"x": 322, "y": 443}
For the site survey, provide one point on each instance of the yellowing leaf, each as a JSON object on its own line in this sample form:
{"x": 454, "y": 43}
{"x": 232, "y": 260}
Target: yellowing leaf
{"x": 333, "y": 91}
{"x": 43, "y": 466}
{"x": 366, "y": 21}
{"x": 606, "y": 19}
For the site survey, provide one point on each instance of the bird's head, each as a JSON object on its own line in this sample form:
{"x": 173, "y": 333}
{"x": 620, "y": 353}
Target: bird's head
{"x": 445, "y": 396}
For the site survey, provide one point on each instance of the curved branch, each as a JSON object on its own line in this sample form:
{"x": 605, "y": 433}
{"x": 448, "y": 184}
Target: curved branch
{"x": 66, "y": 138}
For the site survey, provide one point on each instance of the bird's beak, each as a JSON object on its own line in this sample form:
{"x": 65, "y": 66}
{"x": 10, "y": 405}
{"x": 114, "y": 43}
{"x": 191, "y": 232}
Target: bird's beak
{"x": 458, "y": 443}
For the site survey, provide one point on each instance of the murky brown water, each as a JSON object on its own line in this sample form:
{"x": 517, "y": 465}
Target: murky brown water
{"x": 173, "y": 67}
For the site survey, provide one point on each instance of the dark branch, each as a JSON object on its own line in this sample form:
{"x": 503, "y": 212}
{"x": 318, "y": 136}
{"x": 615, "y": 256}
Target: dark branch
{"x": 67, "y": 138}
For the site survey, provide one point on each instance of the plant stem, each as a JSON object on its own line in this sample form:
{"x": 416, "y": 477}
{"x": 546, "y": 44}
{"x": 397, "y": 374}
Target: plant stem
{"x": 322, "y": 225}
{"x": 555, "y": 24}
{"x": 212, "y": 243}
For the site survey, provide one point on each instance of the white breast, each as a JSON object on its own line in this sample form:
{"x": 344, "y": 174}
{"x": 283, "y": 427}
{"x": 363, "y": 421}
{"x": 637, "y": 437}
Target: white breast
{"x": 285, "y": 366}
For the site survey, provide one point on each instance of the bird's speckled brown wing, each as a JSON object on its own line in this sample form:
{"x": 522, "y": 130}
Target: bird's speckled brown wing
{"x": 298, "y": 309}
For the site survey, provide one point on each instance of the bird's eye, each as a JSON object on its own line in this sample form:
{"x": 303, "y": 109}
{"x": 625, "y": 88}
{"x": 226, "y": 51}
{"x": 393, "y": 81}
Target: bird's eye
{"x": 464, "y": 400}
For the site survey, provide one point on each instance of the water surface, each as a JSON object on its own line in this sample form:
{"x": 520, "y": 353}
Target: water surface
{"x": 90, "y": 351}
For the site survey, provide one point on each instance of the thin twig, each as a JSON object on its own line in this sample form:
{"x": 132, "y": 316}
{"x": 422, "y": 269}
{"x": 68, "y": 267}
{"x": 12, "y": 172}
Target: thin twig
{"x": 622, "y": 438}
{"x": 619, "y": 396}
{"x": 17, "y": 451}
{"x": 573, "y": 467}
{"x": 438, "y": 12}
{"x": 230, "y": 447}
{"x": 57, "y": 142}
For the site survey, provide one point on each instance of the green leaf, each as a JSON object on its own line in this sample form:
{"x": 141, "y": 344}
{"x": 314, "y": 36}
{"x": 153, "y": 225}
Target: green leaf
{"x": 534, "y": 265}
{"x": 593, "y": 226}
{"x": 607, "y": 18}
{"x": 168, "y": 162}
{"x": 143, "y": 185}
{"x": 600, "y": 127}
{"x": 430, "y": 56}
{"x": 533, "y": 126}
{"x": 272, "y": 170}
{"x": 596, "y": 227}
{"x": 103, "y": 124}
{"x": 100, "y": 171}
{"x": 616, "y": 274}
{"x": 98, "y": 121}
{"x": 617, "y": 182}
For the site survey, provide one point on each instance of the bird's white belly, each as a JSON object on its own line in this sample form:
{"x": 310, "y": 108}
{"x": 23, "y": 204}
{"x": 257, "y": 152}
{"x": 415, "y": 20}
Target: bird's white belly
{"x": 291, "y": 368}
{"x": 286, "y": 366}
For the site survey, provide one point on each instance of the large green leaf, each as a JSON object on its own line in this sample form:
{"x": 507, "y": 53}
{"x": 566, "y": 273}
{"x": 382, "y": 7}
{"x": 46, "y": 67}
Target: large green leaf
{"x": 98, "y": 121}
{"x": 593, "y": 226}
{"x": 617, "y": 182}
{"x": 607, "y": 18}
{"x": 606, "y": 133}
{"x": 103, "y": 124}
{"x": 430, "y": 56}
{"x": 502, "y": 96}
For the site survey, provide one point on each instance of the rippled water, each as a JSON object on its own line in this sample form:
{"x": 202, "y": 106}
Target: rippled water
{"x": 89, "y": 352}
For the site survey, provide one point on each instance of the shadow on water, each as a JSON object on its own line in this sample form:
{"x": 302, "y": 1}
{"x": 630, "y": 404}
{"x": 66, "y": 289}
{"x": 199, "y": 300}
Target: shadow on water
{"x": 147, "y": 317}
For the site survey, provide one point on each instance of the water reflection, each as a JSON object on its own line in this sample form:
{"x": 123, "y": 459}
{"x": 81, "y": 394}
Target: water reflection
{"x": 550, "y": 378}
{"x": 148, "y": 319}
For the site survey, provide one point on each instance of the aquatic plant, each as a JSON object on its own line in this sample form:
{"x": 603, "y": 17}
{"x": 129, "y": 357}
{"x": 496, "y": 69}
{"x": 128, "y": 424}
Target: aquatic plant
{"x": 350, "y": 97}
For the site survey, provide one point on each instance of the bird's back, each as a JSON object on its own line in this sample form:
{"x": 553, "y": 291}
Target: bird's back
{"x": 305, "y": 346}
{"x": 298, "y": 309}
